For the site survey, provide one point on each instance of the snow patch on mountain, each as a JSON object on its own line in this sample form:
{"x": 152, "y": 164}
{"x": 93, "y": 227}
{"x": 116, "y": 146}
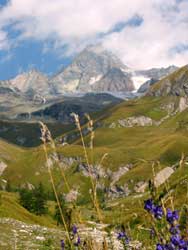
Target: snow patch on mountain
{"x": 127, "y": 70}
{"x": 94, "y": 79}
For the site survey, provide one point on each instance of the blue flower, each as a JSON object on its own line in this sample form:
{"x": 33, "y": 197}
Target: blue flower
{"x": 176, "y": 239}
{"x": 121, "y": 235}
{"x": 158, "y": 212}
{"x": 148, "y": 205}
{"x": 172, "y": 216}
{"x": 62, "y": 245}
{"x": 174, "y": 229}
{"x": 78, "y": 242}
{"x": 182, "y": 244}
{"x": 170, "y": 246}
{"x": 124, "y": 238}
{"x": 74, "y": 229}
{"x": 160, "y": 247}
{"x": 126, "y": 241}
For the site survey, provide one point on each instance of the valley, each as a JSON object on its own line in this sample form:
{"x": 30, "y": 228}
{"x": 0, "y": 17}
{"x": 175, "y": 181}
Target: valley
{"x": 107, "y": 144}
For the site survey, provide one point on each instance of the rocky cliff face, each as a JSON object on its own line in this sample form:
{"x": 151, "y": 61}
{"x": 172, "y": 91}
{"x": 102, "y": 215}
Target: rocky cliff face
{"x": 154, "y": 75}
{"x": 31, "y": 83}
{"x": 7, "y": 88}
{"x": 157, "y": 73}
{"x": 114, "y": 80}
{"x": 175, "y": 84}
{"x": 144, "y": 87}
{"x": 93, "y": 69}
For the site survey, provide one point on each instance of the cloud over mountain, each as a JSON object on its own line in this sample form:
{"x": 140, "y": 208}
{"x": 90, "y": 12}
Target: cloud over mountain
{"x": 143, "y": 33}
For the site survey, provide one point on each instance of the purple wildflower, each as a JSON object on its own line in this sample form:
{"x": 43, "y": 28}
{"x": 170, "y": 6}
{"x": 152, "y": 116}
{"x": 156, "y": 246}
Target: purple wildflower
{"x": 182, "y": 244}
{"x": 62, "y": 245}
{"x": 74, "y": 229}
{"x": 174, "y": 230}
{"x": 175, "y": 239}
{"x": 172, "y": 216}
{"x": 170, "y": 246}
{"x": 126, "y": 241}
{"x": 77, "y": 243}
{"x": 160, "y": 247}
{"x": 148, "y": 205}
{"x": 121, "y": 235}
{"x": 158, "y": 212}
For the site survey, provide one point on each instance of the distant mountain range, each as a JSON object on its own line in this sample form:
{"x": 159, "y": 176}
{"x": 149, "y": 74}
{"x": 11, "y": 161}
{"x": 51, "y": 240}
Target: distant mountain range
{"x": 95, "y": 81}
{"x": 93, "y": 70}
{"x": 61, "y": 110}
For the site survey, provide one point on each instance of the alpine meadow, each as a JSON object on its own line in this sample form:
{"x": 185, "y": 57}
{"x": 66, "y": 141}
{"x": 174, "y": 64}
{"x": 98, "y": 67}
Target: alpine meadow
{"x": 93, "y": 125}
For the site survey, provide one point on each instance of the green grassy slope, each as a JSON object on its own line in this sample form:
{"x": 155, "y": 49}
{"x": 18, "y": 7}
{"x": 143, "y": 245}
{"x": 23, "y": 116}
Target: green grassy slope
{"x": 171, "y": 83}
{"x": 28, "y": 133}
{"x": 137, "y": 145}
{"x": 10, "y": 207}
{"x": 140, "y": 146}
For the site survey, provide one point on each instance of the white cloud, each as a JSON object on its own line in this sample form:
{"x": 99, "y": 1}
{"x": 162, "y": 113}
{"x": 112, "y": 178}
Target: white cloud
{"x": 78, "y": 22}
{"x": 150, "y": 44}
{"x": 4, "y": 43}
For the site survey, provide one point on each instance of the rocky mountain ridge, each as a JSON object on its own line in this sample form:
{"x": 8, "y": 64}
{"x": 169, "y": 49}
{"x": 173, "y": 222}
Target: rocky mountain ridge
{"x": 32, "y": 82}
{"x": 176, "y": 84}
{"x": 93, "y": 70}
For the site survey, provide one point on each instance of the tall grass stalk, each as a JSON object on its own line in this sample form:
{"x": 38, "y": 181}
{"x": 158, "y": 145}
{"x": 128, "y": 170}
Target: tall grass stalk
{"x": 46, "y": 137}
{"x": 94, "y": 193}
{"x": 57, "y": 161}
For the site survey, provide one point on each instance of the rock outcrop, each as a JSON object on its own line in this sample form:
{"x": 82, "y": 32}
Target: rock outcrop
{"x": 3, "y": 166}
{"x": 183, "y": 104}
{"x": 163, "y": 176}
{"x": 133, "y": 121}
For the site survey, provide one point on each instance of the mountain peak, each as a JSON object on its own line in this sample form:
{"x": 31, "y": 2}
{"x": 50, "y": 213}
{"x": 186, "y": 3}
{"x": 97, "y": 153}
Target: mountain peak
{"x": 98, "y": 48}
{"x": 87, "y": 68}
{"x": 32, "y": 80}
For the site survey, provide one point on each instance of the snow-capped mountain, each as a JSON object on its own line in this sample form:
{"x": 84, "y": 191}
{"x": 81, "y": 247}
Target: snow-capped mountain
{"x": 90, "y": 70}
{"x": 93, "y": 70}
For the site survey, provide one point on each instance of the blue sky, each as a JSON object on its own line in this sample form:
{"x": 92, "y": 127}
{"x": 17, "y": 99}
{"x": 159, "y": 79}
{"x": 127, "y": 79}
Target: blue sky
{"x": 41, "y": 55}
{"x": 3, "y": 2}
{"x": 48, "y": 34}
{"x": 29, "y": 55}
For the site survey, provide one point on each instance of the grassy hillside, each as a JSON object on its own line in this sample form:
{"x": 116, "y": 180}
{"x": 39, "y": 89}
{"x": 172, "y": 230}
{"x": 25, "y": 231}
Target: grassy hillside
{"x": 28, "y": 133}
{"x": 173, "y": 84}
{"x": 139, "y": 146}
{"x": 11, "y": 208}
